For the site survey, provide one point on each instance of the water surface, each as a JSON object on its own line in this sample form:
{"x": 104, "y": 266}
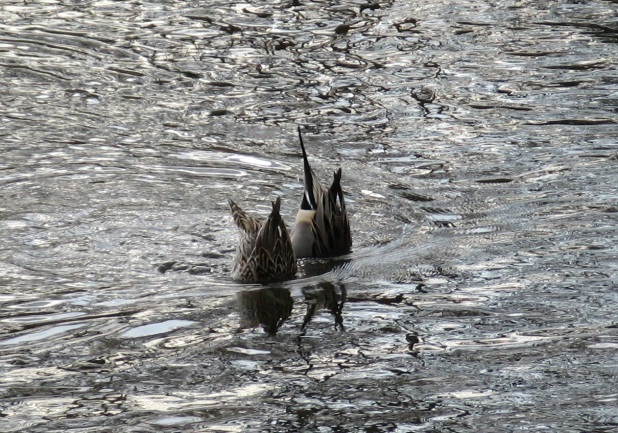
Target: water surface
{"x": 478, "y": 146}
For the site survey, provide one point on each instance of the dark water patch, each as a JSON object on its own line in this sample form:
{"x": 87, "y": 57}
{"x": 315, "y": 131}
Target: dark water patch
{"x": 604, "y": 32}
{"x": 581, "y": 66}
{"x": 415, "y": 197}
{"x": 496, "y": 180}
{"x": 531, "y": 53}
{"x": 576, "y": 122}
{"x": 500, "y": 106}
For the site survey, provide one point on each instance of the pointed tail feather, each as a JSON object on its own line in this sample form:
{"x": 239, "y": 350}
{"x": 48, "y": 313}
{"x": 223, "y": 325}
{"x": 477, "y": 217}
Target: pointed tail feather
{"x": 276, "y": 207}
{"x": 340, "y": 223}
{"x": 274, "y": 247}
{"x": 272, "y": 224}
{"x": 244, "y": 222}
{"x": 336, "y": 192}
{"x": 312, "y": 186}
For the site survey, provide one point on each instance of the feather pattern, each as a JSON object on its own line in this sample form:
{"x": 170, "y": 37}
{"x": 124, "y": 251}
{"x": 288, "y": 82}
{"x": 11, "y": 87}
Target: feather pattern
{"x": 322, "y": 226}
{"x": 264, "y": 253}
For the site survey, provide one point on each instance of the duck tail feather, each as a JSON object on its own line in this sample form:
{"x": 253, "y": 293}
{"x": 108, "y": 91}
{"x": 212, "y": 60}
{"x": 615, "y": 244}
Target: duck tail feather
{"x": 244, "y": 222}
{"x": 311, "y": 184}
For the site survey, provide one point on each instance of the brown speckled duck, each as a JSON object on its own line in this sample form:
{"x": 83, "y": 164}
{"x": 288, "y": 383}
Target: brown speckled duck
{"x": 264, "y": 252}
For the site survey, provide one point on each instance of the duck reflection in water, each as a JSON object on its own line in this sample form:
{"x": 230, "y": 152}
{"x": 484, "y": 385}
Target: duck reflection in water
{"x": 268, "y": 307}
{"x": 325, "y": 296}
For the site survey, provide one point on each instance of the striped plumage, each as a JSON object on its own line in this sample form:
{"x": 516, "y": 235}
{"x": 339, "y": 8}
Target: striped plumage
{"x": 322, "y": 227}
{"x": 265, "y": 252}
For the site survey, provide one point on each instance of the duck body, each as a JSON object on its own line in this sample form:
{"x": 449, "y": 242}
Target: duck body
{"x": 322, "y": 227}
{"x": 264, "y": 253}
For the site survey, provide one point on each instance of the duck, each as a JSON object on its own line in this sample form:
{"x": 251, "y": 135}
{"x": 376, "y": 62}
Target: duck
{"x": 264, "y": 253}
{"x": 322, "y": 227}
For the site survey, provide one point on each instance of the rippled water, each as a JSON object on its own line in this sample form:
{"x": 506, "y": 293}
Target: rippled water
{"x": 478, "y": 142}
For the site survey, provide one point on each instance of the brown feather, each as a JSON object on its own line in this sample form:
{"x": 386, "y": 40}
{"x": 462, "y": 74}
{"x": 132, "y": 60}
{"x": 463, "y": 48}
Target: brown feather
{"x": 264, "y": 253}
